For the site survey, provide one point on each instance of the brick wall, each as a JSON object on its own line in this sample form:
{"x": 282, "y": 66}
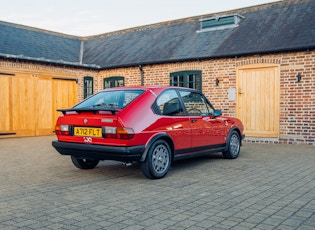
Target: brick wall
{"x": 297, "y": 99}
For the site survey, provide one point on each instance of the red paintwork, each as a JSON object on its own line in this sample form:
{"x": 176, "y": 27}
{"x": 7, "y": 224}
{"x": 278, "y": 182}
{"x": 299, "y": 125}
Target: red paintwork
{"x": 185, "y": 131}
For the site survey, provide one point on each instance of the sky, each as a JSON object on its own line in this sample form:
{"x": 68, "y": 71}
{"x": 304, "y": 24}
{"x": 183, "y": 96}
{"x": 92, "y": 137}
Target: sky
{"x": 93, "y": 17}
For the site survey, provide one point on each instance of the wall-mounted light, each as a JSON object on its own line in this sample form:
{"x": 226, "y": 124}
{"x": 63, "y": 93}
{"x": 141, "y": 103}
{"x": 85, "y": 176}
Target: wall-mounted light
{"x": 142, "y": 75}
{"x": 299, "y": 77}
{"x": 217, "y": 82}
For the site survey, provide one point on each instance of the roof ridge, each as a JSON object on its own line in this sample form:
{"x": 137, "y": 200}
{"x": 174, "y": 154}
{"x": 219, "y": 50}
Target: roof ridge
{"x": 188, "y": 19}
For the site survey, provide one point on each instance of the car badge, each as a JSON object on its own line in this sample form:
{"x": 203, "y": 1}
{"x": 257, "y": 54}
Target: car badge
{"x": 85, "y": 121}
{"x": 107, "y": 120}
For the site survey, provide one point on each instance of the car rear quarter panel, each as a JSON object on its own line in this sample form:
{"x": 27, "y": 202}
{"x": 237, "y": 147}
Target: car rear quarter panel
{"x": 139, "y": 115}
{"x": 146, "y": 123}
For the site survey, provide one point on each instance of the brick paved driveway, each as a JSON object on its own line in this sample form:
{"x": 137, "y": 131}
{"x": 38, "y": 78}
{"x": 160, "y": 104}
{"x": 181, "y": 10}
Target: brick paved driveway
{"x": 267, "y": 187}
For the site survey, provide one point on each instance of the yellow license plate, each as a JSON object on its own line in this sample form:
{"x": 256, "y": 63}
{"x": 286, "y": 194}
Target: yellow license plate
{"x": 87, "y": 132}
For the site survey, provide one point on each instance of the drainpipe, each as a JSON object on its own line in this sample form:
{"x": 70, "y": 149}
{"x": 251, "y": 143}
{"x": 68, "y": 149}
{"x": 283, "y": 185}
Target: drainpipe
{"x": 142, "y": 75}
{"x": 81, "y": 52}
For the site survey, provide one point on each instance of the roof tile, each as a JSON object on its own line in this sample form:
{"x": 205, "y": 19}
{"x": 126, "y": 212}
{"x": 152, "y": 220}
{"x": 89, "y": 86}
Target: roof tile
{"x": 275, "y": 27}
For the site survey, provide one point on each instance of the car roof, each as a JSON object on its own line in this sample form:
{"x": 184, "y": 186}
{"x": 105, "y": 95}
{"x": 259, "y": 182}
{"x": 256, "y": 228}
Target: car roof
{"x": 156, "y": 89}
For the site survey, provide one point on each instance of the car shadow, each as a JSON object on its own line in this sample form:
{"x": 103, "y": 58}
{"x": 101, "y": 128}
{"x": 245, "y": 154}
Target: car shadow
{"x": 118, "y": 169}
{"x": 195, "y": 161}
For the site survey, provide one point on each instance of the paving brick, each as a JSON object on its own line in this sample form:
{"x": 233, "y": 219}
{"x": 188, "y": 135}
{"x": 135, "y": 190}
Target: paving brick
{"x": 244, "y": 225}
{"x": 274, "y": 220}
{"x": 267, "y": 187}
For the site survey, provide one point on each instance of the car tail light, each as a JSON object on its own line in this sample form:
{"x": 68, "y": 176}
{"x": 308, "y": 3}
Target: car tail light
{"x": 119, "y": 132}
{"x": 125, "y": 133}
{"x": 110, "y": 132}
{"x": 62, "y": 130}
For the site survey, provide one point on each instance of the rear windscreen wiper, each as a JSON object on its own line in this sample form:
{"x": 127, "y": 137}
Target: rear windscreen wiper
{"x": 88, "y": 109}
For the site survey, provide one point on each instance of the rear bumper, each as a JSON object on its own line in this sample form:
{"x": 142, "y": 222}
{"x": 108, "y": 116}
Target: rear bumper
{"x": 99, "y": 152}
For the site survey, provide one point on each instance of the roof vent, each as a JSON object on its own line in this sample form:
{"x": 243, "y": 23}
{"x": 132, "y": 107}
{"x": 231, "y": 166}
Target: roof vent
{"x": 220, "y": 22}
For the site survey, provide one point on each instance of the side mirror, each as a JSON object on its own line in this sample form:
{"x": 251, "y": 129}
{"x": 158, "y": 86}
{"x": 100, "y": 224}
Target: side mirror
{"x": 217, "y": 113}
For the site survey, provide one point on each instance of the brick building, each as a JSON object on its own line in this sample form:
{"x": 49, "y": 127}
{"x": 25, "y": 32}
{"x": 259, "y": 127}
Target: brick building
{"x": 255, "y": 63}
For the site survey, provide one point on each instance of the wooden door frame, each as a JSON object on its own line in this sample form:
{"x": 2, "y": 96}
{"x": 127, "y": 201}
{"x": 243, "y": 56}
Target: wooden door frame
{"x": 277, "y": 85}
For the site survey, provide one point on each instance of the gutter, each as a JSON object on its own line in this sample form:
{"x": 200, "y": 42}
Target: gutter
{"x": 137, "y": 64}
{"x": 49, "y": 61}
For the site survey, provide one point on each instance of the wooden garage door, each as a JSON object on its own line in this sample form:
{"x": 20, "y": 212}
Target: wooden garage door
{"x": 23, "y": 104}
{"x": 64, "y": 95}
{"x": 30, "y": 103}
{"x": 44, "y": 106}
{"x": 258, "y": 100}
{"x": 5, "y": 108}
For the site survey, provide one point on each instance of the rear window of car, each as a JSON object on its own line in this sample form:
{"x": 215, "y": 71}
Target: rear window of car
{"x": 116, "y": 99}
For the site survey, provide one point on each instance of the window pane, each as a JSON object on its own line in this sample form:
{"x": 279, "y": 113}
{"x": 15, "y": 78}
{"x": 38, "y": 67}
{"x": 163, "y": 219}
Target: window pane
{"x": 119, "y": 83}
{"x": 178, "y": 80}
{"x": 88, "y": 86}
{"x": 168, "y": 103}
{"x": 113, "y": 82}
{"x": 198, "y": 82}
{"x": 189, "y": 79}
{"x": 195, "y": 103}
{"x": 106, "y": 84}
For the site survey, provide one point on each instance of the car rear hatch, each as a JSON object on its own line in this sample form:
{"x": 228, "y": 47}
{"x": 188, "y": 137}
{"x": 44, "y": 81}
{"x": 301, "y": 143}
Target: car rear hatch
{"x": 96, "y": 120}
{"x": 101, "y": 127}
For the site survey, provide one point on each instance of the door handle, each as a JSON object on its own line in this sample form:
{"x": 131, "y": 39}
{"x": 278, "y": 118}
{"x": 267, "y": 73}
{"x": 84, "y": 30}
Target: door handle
{"x": 193, "y": 120}
{"x": 240, "y": 91}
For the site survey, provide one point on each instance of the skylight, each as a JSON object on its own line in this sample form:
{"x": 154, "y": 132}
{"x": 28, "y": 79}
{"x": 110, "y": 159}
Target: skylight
{"x": 220, "y": 22}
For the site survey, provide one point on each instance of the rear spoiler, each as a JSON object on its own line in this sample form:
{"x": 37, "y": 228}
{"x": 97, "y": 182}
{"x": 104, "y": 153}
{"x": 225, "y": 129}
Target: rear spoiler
{"x": 94, "y": 110}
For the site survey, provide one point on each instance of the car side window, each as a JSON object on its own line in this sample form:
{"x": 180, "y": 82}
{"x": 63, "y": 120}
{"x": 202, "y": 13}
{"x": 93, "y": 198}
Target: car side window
{"x": 169, "y": 104}
{"x": 196, "y": 104}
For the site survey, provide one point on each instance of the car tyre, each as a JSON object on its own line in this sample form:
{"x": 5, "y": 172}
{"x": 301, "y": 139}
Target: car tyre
{"x": 233, "y": 146}
{"x": 82, "y": 163}
{"x": 158, "y": 160}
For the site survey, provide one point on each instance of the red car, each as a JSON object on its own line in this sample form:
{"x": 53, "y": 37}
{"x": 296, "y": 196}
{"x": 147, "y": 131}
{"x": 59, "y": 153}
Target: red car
{"x": 150, "y": 125}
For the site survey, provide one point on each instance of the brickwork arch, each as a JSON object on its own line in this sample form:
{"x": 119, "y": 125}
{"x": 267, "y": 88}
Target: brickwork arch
{"x": 258, "y": 60}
